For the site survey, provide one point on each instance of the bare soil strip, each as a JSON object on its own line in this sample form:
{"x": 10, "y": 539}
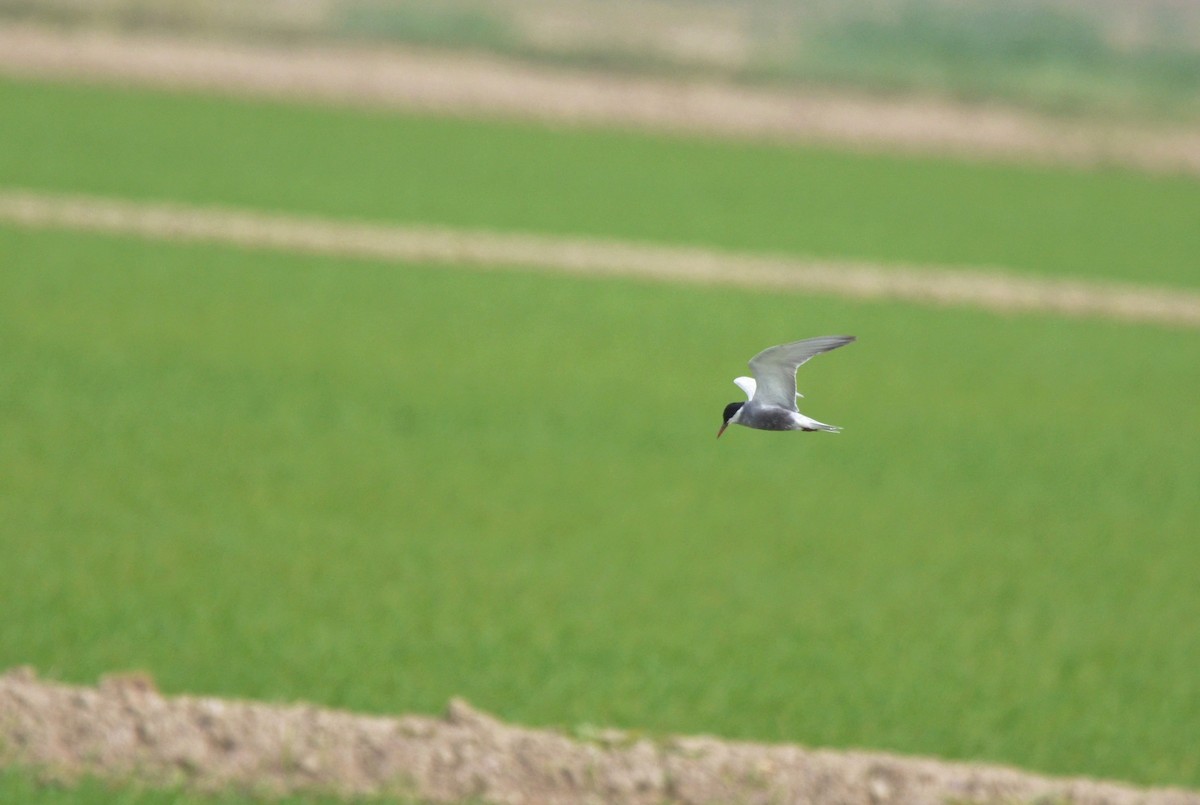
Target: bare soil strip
{"x": 945, "y": 286}
{"x": 125, "y": 730}
{"x": 475, "y": 85}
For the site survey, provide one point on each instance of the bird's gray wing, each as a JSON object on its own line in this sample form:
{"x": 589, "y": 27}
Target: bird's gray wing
{"x": 775, "y": 368}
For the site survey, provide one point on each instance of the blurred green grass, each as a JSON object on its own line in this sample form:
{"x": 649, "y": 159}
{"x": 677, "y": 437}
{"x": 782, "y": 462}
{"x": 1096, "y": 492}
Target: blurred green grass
{"x": 376, "y": 487}
{"x": 1104, "y": 224}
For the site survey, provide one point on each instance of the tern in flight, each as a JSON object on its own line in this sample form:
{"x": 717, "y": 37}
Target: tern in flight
{"x": 772, "y": 391}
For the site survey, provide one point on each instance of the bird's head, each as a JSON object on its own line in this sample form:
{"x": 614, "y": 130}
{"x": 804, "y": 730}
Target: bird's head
{"x": 729, "y": 415}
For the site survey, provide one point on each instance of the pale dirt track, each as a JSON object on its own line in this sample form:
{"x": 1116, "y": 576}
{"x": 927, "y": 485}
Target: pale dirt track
{"x": 945, "y": 286}
{"x": 476, "y": 85}
{"x": 125, "y": 729}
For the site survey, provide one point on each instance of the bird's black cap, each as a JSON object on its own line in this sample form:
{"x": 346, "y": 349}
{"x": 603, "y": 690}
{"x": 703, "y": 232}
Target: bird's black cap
{"x": 730, "y": 410}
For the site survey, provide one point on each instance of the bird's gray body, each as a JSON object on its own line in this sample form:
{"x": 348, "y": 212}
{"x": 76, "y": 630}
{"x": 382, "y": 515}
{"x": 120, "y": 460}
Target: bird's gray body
{"x": 772, "y": 391}
{"x": 766, "y": 417}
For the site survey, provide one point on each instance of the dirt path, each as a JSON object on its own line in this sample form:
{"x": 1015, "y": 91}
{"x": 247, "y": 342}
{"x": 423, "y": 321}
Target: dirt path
{"x": 946, "y": 286}
{"x": 124, "y": 729}
{"x": 472, "y": 85}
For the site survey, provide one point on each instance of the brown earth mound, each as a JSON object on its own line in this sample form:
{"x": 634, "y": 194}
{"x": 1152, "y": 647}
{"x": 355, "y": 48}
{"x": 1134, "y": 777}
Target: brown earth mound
{"x": 125, "y": 730}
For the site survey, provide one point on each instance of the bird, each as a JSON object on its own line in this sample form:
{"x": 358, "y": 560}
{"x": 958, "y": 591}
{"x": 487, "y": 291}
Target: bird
{"x": 771, "y": 393}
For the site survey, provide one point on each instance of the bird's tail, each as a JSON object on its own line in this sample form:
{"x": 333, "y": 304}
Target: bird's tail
{"x": 812, "y": 424}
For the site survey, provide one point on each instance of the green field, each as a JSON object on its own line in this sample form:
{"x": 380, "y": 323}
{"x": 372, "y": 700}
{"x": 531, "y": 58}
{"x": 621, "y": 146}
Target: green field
{"x": 1104, "y": 224}
{"x": 378, "y": 486}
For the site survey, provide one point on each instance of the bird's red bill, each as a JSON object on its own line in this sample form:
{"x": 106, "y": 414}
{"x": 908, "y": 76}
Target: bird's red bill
{"x": 722, "y": 430}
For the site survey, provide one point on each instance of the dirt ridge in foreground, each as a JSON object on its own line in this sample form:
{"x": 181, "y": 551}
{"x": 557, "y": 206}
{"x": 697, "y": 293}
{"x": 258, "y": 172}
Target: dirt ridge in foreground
{"x": 124, "y": 729}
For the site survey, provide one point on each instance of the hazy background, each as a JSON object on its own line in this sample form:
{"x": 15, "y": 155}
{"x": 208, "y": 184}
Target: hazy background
{"x": 1093, "y": 57}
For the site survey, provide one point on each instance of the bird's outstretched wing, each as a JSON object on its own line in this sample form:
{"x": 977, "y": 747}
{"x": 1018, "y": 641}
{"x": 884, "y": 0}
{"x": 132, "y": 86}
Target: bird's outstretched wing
{"x": 775, "y": 368}
{"x": 748, "y": 385}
